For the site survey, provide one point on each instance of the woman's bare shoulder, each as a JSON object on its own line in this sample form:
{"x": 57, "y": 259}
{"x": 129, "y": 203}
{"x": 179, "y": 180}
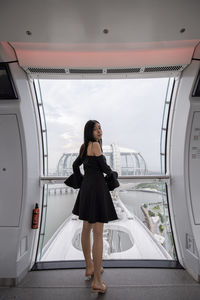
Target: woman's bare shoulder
{"x": 96, "y": 149}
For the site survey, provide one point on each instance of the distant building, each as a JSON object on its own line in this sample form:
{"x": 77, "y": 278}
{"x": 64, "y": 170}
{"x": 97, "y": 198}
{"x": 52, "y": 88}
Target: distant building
{"x": 123, "y": 160}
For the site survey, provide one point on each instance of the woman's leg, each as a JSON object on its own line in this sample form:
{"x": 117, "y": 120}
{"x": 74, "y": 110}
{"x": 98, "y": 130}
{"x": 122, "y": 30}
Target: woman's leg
{"x": 85, "y": 241}
{"x": 97, "y": 251}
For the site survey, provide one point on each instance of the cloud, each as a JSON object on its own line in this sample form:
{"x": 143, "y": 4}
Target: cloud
{"x": 130, "y": 112}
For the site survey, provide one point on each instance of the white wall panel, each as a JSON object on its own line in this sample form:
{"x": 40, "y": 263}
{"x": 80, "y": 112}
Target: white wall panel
{"x": 194, "y": 167}
{"x": 10, "y": 171}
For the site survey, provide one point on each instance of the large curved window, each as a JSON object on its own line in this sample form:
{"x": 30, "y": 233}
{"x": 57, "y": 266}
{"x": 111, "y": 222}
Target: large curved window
{"x": 130, "y": 112}
{"x": 133, "y": 115}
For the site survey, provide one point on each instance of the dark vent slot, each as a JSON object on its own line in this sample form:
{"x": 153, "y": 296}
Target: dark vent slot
{"x": 162, "y": 69}
{"x": 129, "y": 70}
{"x": 85, "y": 71}
{"x": 46, "y": 70}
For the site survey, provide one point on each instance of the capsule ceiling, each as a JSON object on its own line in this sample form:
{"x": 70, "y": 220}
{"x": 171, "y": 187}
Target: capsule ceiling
{"x": 91, "y": 33}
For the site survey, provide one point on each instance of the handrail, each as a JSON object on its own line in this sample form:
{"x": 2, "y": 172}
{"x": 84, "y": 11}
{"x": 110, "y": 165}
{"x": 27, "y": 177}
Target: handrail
{"x": 60, "y": 179}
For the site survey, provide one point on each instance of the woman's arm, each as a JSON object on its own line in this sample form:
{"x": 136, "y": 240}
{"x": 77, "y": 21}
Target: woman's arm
{"x": 101, "y": 159}
{"x": 103, "y": 165}
{"x": 78, "y": 161}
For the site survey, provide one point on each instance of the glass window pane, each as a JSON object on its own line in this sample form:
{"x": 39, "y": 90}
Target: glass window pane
{"x": 132, "y": 113}
{"x": 142, "y": 231}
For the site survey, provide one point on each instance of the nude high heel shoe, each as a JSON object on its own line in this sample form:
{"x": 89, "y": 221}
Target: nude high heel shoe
{"x": 89, "y": 276}
{"x": 100, "y": 290}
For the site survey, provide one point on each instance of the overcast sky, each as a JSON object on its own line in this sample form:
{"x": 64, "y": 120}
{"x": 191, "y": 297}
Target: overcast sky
{"x": 129, "y": 110}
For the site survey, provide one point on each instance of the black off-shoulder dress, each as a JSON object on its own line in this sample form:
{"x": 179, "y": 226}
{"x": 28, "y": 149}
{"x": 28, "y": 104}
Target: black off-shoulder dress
{"x": 94, "y": 202}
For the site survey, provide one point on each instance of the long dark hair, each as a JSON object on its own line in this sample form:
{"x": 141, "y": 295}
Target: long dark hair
{"x": 88, "y": 137}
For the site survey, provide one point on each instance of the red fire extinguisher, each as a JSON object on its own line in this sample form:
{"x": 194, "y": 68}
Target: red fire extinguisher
{"x": 35, "y": 217}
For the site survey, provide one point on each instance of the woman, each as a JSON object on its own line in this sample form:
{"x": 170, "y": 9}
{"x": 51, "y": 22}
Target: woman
{"x": 94, "y": 203}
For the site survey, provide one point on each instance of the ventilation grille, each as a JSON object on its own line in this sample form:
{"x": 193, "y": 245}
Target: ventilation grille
{"x": 129, "y": 70}
{"x": 103, "y": 71}
{"x": 85, "y": 71}
{"x": 162, "y": 69}
{"x": 47, "y": 70}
